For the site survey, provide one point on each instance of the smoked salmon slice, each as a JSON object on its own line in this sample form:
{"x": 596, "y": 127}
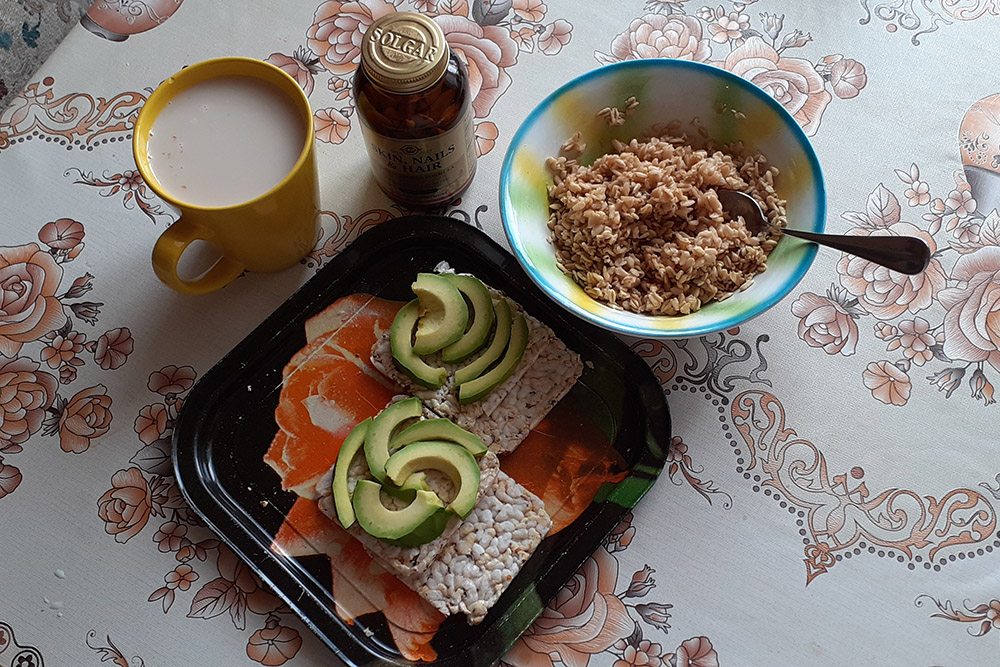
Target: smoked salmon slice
{"x": 321, "y": 401}
{"x": 353, "y": 319}
{"x": 327, "y": 388}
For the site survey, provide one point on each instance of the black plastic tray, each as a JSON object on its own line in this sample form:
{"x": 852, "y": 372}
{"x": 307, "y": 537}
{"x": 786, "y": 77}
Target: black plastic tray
{"x": 228, "y": 422}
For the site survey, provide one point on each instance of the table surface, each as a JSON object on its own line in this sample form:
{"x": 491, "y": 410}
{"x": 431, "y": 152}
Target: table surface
{"x": 833, "y": 486}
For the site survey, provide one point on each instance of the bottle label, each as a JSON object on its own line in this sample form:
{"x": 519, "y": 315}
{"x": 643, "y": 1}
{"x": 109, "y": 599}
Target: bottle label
{"x": 423, "y": 171}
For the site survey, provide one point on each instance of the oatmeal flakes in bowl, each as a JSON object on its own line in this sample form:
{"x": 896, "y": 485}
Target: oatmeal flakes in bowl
{"x": 608, "y": 198}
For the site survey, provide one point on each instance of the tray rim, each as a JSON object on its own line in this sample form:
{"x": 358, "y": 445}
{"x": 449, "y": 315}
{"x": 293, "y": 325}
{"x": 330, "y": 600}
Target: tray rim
{"x": 194, "y": 475}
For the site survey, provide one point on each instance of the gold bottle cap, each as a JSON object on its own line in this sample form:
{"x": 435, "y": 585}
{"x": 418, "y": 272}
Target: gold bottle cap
{"x": 404, "y": 52}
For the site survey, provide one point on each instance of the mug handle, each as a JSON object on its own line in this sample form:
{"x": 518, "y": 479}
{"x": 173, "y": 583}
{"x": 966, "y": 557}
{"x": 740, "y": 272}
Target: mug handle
{"x": 168, "y": 250}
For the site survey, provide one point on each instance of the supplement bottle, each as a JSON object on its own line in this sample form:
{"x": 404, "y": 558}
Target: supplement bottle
{"x": 412, "y": 96}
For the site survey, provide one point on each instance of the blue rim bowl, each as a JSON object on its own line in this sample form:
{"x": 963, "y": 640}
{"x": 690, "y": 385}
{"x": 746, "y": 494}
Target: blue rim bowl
{"x": 727, "y": 108}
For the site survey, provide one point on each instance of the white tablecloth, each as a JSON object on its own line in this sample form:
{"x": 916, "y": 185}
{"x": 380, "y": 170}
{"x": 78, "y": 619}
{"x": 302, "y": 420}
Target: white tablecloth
{"x": 834, "y": 480}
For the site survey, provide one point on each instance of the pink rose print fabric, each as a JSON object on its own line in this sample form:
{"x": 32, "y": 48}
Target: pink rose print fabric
{"x": 660, "y": 36}
{"x": 29, "y": 393}
{"x": 887, "y": 294}
{"x": 828, "y": 322}
{"x": 126, "y": 507}
{"x": 337, "y": 29}
{"x": 972, "y": 320}
{"x": 947, "y": 318}
{"x": 586, "y": 617}
{"x": 44, "y": 344}
{"x": 87, "y": 415}
{"x": 273, "y": 644}
{"x": 144, "y": 498}
{"x": 589, "y": 621}
{"x": 487, "y": 52}
{"x": 29, "y": 308}
{"x": 888, "y": 383}
{"x": 553, "y": 37}
{"x": 303, "y": 66}
{"x": 760, "y": 51}
{"x": 62, "y": 234}
{"x": 794, "y": 82}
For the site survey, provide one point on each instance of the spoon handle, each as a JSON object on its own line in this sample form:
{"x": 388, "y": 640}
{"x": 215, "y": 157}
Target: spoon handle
{"x": 904, "y": 254}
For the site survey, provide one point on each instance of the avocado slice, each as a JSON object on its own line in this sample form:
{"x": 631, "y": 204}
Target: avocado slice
{"x": 341, "y": 496}
{"x": 449, "y": 458}
{"x": 444, "y": 313}
{"x": 380, "y": 432}
{"x": 379, "y": 521}
{"x": 407, "y": 490}
{"x": 473, "y": 390}
{"x": 415, "y": 482}
{"x": 430, "y": 529}
{"x": 481, "y": 316}
{"x": 400, "y": 337}
{"x": 501, "y": 337}
{"x": 438, "y": 429}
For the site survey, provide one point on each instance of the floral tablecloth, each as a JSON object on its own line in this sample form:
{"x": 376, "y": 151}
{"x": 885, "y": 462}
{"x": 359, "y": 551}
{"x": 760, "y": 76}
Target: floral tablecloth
{"x": 833, "y": 483}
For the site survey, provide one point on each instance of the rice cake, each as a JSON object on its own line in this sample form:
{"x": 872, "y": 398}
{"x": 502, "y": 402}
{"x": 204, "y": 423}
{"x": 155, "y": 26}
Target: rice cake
{"x": 405, "y": 561}
{"x": 542, "y": 385}
{"x": 546, "y": 372}
{"x": 479, "y": 560}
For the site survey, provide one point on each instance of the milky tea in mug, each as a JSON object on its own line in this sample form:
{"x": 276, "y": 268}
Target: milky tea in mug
{"x": 228, "y": 142}
{"x": 225, "y": 141}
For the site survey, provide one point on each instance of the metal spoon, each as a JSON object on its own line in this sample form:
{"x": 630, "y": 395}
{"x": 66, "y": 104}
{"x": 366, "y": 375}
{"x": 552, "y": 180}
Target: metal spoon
{"x": 904, "y": 254}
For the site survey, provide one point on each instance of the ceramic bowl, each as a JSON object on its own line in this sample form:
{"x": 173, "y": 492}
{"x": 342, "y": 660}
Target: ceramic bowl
{"x": 728, "y": 109}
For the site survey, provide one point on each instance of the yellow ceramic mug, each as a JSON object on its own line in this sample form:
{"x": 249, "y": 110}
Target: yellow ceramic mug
{"x": 269, "y": 232}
